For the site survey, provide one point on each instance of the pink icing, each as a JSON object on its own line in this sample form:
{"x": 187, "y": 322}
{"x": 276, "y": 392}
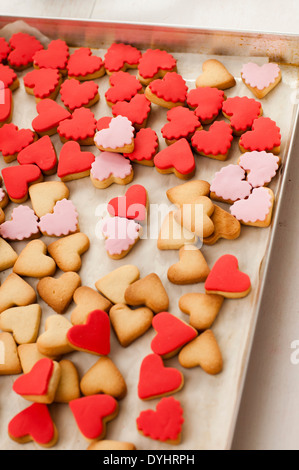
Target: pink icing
{"x": 2, "y": 194}
{"x": 119, "y": 133}
{"x": 62, "y": 221}
{"x": 229, "y": 183}
{"x": 255, "y": 208}
{"x": 120, "y": 234}
{"x": 262, "y": 167}
{"x": 23, "y": 224}
{"x": 109, "y": 163}
{"x": 259, "y": 77}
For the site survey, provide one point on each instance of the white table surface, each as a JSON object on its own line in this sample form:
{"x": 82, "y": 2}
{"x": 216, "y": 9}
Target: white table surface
{"x": 269, "y": 409}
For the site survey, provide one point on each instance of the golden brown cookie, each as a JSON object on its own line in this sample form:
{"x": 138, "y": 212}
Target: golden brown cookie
{"x": 53, "y": 341}
{"x": 67, "y": 251}
{"x": 141, "y": 293}
{"x": 87, "y": 300}
{"x": 8, "y": 256}
{"x": 9, "y": 358}
{"x": 23, "y": 322}
{"x": 225, "y": 226}
{"x": 29, "y": 355}
{"x": 104, "y": 377}
{"x": 204, "y": 352}
{"x": 173, "y": 236}
{"x": 33, "y": 261}
{"x": 129, "y": 324}
{"x": 215, "y": 75}
{"x": 68, "y": 388}
{"x": 191, "y": 267}
{"x": 202, "y": 308}
{"x": 187, "y": 193}
{"x": 114, "y": 284}
{"x": 45, "y": 195}
{"x": 16, "y": 292}
{"x": 58, "y": 293}
{"x": 196, "y": 217}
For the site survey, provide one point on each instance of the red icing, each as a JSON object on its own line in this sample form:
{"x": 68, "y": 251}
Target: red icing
{"x": 13, "y": 140}
{"x": 72, "y": 160}
{"x": 80, "y": 125}
{"x": 24, "y": 47}
{"x": 75, "y": 94}
{"x": 242, "y": 111}
{"x": 136, "y": 110}
{"x": 178, "y": 156}
{"x": 154, "y": 60}
{"x": 206, "y": 102}
{"x": 172, "y": 87}
{"x": 163, "y": 424}
{"x": 216, "y": 141}
{"x": 103, "y": 123}
{"x": 132, "y": 205}
{"x": 34, "y": 421}
{"x": 265, "y": 135}
{"x": 35, "y": 382}
{"x": 7, "y": 75}
{"x": 118, "y": 55}
{"x": 82, "y": 63}
{"x": 17, "y": 178}
{"x": 145, "y": 145}
{"x": 182, "y": 123}
{"x": 172, "y": 333}
{"x": 226, "y": 277}
{"x": 41, "y": 152}
{"x": 50, "y": 114}
{"x": 90, "y": 411}
{"x": 155, "y": 379}
{"x": 4, "y": 49}
{"x": 55, "y": 57}
{"x": 6, "y": 107}
{"x": 94, "y": 335}
{"x": 43, "y": 81}
{"x": 123, "y": 87}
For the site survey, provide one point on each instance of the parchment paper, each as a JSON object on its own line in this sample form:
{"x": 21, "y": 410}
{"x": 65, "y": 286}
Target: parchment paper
{"x": 209, "y": 402}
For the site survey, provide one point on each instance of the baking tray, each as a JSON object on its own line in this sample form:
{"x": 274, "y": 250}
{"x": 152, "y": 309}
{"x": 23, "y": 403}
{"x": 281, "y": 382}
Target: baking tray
{"x": 210, "y": 403}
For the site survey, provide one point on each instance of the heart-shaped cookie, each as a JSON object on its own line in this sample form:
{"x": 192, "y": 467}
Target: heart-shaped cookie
{"x": 164, "y": 424}
{"x": 182, "y": 124}
{"x": 173, "y": 236}
{"x": 80, "y": 126}
{"x": 136, "y": 110}
{"x": 146, "y": 144}
{"x": 8, "y": 255}
{"x": 13, "y": 140}
{"x": 121, "y": 235}
{"x": 58, "y": 292}
{"x": 73, "y": 163}
{"x": 75, "y": 94}
{"x": 10, "y": 362}
{"x": 23, "y": 46}
{"x": 241, "y": 112}
{"x": 16, "y": 292}
{"x": 256, "y": 210}
{"x": 87, "y": 300}
{"x": 53, "y": 341}
{"x": 114, "y": 284}
{"x": 45, "y": 195}
{"x": 191, "y": 267}
{"x": 34, "y": 424}
{"x": 43, "y": 83}
{"x": 187, "y": 193}
{"x": 117, "y": 137}
{"x": 156, "y": 380}
{"x": 265, "y": 135}
{"x": 260, "y": 167}
{"x": 54, "y": 57}
{"x": 133, "y": 205}
{"x": 23, "y": 322}
{"x": 177, "y": 158}
{"x": 93, "y": 336}
{"x": 201, "y": 308}
{"x": 104, "y": 377}
{"x": 123, "y": 87}
{"x": 42, "y": 153}
{"x": 17, "y": 180}
{"x": 155, "y": 63}
{"x": 67, "y": 251}
{"x": 196, "y": 217}
{"x": 226, "y": 279}
{"x": 121, "y": 56}
{"x": 23, "y": 225}
{"x": 214, "y": 143}
{"x": 83, "y": 65}
{"x": 62, "y": 221}
{"x": 6, "y": 108}
{"x": 260, "y": 79}
{"x": 92, "y": 413}
{"x": 206, "y": 103}
{"x": 229, "y": 184}
{"x": 29, "y": 355}
{"x": 204, "y": 352}
{"x": 129, "y": 324}
{"x": 215, "y": 75}
{"x": 9, "y": 77}
{"x": 68, "y": 388}
{"x": 109, "y": 168}
{"x": 50, "y": 114}
{"x": 140, "y": 293}
{"x": 33, "y": 261}
{"x": 225, "y": 226}
{"x": 169, "y": 91}
{"x": 172, "y": 334}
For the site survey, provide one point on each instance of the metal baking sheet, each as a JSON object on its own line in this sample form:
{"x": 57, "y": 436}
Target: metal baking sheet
{"x": 210, "y": 403}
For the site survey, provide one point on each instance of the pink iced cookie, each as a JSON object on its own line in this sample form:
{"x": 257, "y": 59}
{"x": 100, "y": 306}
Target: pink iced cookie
{"x": 229, "y": 184}
{"x": 118, "y": 137}
{"x": 261, "y": 167}
{"x": 260, "y": 79}
{"x": 256, "y": 209}
{"x": 63, "y": 220}
{"x": 110, "y": 167}
{"x": 22, "y": 226}
{"x": 121, "y": 235}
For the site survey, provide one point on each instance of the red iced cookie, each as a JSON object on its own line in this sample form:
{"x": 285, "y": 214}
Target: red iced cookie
{"x": 136, "y": 110}
{"x": 93, "y": 336}
{"x": 132, "y": 205}
{"x": 123, "y": 87}
{"x": 6, "y": 106}
{"x": 177, "y": 158}
{"x": 155, "y": 63}
{"x": 103, "y": 122}
{"x": 172, "y": 334}
{"x": 13, "y": 140}
{"x": 226, "y": 279}
{"x": 4, "y": 49}
{"x": 206, "y": 102}
{"x": 214, "y": 143}
{"x": 50, "y": 114}
{"x": 24, "y": 46}
{"x": 33, "y": 424}
{"x": 241, "y": 111}
{"x": 73, "y": 163}
{"x": 121, "y": 56}
{"x": 91, "y": 414}
{"x": 42, "y": 83}
{"x": 182, "y": 123}
{"x": 80, "y": 126}
{"x": 8, "y": 77}
{"x": 156, "y": 380}
{"x": 55, "y": 57}
{"x": 145, "y": 147}
{"x": 18, "y": 178}
{"x": 42, "y": 153}
{"x": 169, "y": 91}
{"x": 164, "y": 424}
{"x": 75, "y": 94}
{"x": 83, "y": 65}
{"x": 265, "y": 135}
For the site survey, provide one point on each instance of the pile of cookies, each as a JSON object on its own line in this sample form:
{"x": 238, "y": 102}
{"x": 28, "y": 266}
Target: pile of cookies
{"x": 122, "y": 302}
